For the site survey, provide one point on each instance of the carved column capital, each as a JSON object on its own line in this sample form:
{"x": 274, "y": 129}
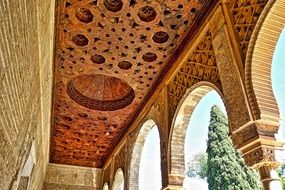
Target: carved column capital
{"x": 265, "y": 168}
{"x": 263, "y": 159}
{"x": 257, "y": 142}
{"x": 270, "y": 164}
{"x": 260, "y": 156}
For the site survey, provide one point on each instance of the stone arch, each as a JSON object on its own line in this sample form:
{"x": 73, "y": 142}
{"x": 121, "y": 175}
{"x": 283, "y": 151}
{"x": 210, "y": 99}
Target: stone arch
{"x": 118, "y": 182}
{"x": 137, "y": 151}
{"x": 179, "y": 126}
{"x": 259, "y": 59}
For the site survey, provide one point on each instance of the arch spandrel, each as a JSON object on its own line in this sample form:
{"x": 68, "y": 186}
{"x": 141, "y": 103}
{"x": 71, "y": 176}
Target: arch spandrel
{"x": 199, "y": 65}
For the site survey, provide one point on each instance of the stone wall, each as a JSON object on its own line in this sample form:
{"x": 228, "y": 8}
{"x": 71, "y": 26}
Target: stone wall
{"x": 46, "y": 48}
{"x": 25, "y": 75}
{"x": 63, "y": 177}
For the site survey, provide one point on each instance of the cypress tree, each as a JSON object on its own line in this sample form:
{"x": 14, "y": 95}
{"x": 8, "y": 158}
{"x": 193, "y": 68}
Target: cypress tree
{"x": 226, "y": 167}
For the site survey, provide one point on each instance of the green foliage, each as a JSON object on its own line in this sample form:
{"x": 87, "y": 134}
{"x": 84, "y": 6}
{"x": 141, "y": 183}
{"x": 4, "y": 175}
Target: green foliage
{"x": 283, "y": 182}
{"x": 281, "y": 173}
{"x": 226, "y": 167}
{"x": 197, "y": 166}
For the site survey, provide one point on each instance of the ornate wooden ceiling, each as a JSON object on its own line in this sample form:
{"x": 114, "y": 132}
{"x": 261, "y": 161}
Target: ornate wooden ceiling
{"x": 109, "y": 55}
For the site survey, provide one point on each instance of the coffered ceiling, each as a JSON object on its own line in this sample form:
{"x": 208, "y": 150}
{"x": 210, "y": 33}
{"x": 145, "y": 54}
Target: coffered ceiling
{"x": 109, "y": 57}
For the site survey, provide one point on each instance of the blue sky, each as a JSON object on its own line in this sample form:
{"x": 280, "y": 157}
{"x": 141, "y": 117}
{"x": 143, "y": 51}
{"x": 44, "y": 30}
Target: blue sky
{"x": 278, "y": 84}
{"x": 278, "y": 79}
{"x": 197, "y": 131}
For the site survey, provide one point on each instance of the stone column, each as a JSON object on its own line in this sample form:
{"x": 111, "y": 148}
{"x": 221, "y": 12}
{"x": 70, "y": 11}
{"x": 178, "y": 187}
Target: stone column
{"x": 175, "y": 182}
{"x": 177, "y": 167}
{"x": 269, "y": 177}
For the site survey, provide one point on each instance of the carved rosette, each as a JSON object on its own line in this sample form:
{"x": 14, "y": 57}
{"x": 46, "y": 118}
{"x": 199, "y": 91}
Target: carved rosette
{"x": 113, "y": 5}
{"x": 147, "y": 13}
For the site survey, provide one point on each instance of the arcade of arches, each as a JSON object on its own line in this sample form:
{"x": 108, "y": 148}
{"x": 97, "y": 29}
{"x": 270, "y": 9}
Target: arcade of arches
{"x": 84, "y": 81}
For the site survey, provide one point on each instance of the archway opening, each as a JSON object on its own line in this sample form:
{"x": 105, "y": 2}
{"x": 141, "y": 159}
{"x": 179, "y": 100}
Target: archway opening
{"x": 105, "y": 187}
{"x": 189, "y": 134}
{"x": 145, "y": 167}
{"x": 179, "y": 127}
{"x": 195, "y": 145}
{"x": 150, "y": 167}
{"x": 118, "y": 183}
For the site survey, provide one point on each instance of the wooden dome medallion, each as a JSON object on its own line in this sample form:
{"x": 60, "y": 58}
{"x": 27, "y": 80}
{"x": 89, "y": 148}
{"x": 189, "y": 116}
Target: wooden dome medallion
{"x": 100, "y": 92}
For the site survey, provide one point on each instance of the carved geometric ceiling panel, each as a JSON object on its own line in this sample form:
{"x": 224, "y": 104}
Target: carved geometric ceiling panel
{"x": 109, "y": 53}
